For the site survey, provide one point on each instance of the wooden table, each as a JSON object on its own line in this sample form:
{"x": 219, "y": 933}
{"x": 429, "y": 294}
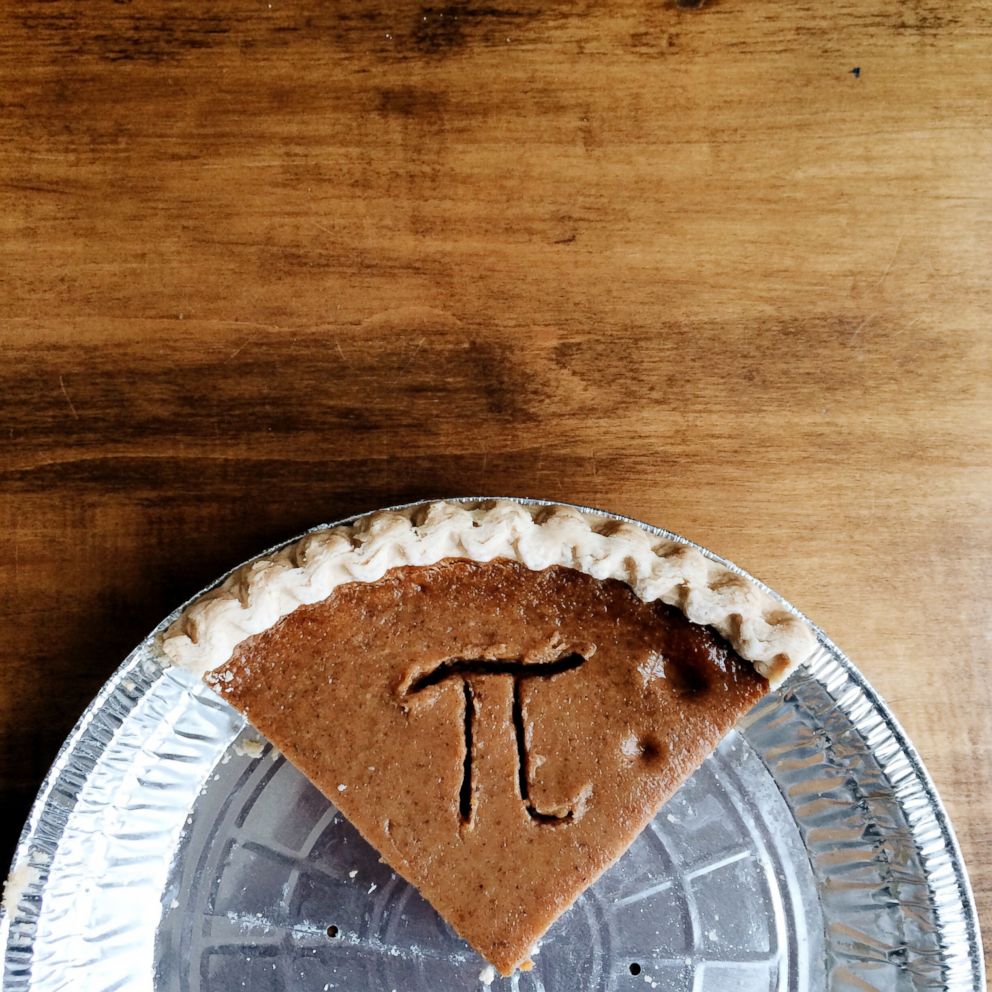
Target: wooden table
{"x": 722, "y": 266}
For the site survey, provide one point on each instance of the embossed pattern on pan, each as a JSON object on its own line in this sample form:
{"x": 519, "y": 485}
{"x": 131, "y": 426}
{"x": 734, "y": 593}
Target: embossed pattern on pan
{"x": 166, "y": 851}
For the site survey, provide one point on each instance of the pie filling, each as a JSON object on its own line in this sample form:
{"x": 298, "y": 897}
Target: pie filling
{"x": 501, "y": 735}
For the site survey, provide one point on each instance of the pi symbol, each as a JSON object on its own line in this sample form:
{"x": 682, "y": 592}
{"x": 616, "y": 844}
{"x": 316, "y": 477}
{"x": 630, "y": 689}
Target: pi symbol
{"x": 462, "y": 670}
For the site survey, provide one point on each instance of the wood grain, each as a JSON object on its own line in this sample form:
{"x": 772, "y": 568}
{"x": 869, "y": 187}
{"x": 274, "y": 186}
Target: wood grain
{"x": 266, "y": 265}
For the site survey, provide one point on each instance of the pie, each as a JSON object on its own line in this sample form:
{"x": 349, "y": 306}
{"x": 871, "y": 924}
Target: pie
{"x": 498, "y": 696}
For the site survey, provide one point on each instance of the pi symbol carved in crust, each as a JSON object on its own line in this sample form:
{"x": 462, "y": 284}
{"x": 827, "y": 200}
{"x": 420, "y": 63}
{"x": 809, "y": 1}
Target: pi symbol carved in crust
{"x": 462, "y": 670}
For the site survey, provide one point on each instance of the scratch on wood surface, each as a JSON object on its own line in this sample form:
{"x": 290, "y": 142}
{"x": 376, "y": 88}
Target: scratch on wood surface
{"x": 895, "y": 255}
{"x": 913, "y": 323}
{"x": 240, "y": 348}
{"x": 413, "y": 354}
{"x": 68, "y": 398}
{"x": 857, "y": 330}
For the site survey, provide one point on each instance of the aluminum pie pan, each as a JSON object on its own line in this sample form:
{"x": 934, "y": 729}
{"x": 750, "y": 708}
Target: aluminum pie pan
{"x": 170, "y": 848}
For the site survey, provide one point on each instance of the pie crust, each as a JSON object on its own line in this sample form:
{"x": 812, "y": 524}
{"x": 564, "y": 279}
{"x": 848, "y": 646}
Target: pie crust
{"x": 258, "y": 595}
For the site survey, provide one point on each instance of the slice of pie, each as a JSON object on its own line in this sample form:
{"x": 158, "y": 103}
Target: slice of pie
{"x": 498, "y": 696}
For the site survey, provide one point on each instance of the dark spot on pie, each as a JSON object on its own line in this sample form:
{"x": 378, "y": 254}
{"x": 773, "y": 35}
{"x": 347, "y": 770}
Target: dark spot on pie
{"x": 686, "y": 680}
{"x": 651, "y": 751}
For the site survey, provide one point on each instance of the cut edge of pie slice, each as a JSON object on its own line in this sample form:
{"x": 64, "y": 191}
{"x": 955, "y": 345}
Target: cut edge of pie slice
{"x": 499, "y": 696}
